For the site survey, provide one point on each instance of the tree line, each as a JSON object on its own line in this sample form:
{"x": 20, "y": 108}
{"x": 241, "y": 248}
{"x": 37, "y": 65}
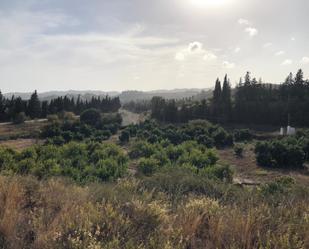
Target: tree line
{"x": 251, "y": 102}
{"x": 10, "y": 108}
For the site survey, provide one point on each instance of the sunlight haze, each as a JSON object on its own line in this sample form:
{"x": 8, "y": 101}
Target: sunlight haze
{"x": 146, "y": 45}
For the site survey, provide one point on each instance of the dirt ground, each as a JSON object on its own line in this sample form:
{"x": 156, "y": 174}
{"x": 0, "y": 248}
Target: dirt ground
{"x": 11, "y": 131}
{"x": 20, "y": 144}
{"x": 130, "y": 117}
{"x": 249, "y": 173}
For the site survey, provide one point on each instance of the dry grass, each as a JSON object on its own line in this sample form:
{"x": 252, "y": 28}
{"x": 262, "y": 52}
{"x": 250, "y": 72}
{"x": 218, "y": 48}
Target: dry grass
{"x": 247, "y": 170}
{"x": 57, "y": 214}
{"x": 21, "y": 144}
{"x": 26, "y": 130}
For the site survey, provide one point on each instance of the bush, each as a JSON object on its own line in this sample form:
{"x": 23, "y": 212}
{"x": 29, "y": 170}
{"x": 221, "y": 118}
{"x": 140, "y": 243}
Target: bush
{"x": 286, "y": 153}
{"x": 222, "y": 138}
{"x": 79, "y": 161}
{"x": 142, "y": 149}
{"x": 148, "y": 166}
{"x": 221, "y": 172}
{"x": 91, "y": 117}
{"x": 52, "y": 118}
{"x": 124, "y": 136}
{"x": 242, "y": 135}
{"x": 20, "y": 118}
{"x": 238, "y": 150}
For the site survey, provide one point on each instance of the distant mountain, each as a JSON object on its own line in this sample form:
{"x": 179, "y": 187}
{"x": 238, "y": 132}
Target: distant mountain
{"x": 125, "y": 96}
{"x": 71, "y": 93}
{"x": 128, "y": 96}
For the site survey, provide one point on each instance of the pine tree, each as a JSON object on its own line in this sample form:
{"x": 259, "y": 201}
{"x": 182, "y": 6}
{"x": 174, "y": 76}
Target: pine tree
{"x": 299, "y": 78}
{"x": 247, "y": 79}
{"x": 217, "y": 92}
{"x": 34, "y": 106}
{"x": 216, "y": 101}
{"x": 2, "y": 107}
{"x": 226, "y": 98}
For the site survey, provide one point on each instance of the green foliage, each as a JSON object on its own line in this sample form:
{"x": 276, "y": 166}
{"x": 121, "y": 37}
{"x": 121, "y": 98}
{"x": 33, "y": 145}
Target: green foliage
{"x": 60, "y": 133}
{"x": 34, "y": 106}
{"x": 124, "y": 136}
{"x": 79, "y": 161}
{"x": 286, "y": 153}
{"x": 20, "y": 118}
{"x": 148, "y": 166}
{"x": 141, "y": 149}
{"x": 222, "y": 138}
{"x": 201, "y": 131}
{"x": 279, "y": 186}
{"x": 221, "y": 172}
{"x": 238, "y": 150}
{"x": 91, "y": 117}
{"x": 242, "y": 135}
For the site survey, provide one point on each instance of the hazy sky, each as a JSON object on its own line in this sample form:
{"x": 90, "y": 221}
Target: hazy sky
{"x": 148, "y": 44}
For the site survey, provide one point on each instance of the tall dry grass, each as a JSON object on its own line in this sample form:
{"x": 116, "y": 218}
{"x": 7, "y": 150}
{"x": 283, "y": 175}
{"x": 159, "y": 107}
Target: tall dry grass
{"x": 60, "y": 214}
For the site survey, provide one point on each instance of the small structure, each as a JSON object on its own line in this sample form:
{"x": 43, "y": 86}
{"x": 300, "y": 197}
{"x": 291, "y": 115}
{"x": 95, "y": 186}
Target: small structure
{"x": 289, "y": 131}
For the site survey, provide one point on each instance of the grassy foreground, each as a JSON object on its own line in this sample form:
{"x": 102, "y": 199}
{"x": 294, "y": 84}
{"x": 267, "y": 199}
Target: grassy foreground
{"x": 167, "y": 210}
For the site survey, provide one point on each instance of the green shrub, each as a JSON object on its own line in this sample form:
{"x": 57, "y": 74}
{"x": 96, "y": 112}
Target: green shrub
{"x": 286, "y": 153}
{"x": 79, "y": 161}
{"x": 242, "y": 135}
{"x": 91, "y": 117}
{"x": 221, "y": 172}
{"x": 222, "y": 138}
{"x": 148, "y": 166}
{"x": 124, "y": 136}
{"x": 20, "y": 118}
{"x": 238, "y": 150}
{"x": 142, "y": 149}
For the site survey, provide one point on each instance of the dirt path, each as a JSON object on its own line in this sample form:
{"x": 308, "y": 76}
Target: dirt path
{"x": 130, "y": 117}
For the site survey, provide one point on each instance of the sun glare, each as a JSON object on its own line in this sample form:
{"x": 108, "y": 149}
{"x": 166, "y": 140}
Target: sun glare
{"x": 208, "y": 3}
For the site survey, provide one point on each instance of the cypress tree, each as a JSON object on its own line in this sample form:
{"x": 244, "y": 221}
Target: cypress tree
{"x": 34, "y": 106}
{"x": 226, "y": 98}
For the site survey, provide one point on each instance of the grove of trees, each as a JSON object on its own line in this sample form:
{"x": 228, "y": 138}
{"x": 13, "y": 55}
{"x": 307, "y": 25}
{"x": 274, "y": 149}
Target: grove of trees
{"x": 34, "y": 108}
{"x": 251, "y": 102}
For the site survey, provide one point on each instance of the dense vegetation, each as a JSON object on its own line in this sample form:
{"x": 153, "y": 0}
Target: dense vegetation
{"x": 252, "y": 102}
{"x": 201, "y": 131}
{"x": 11, "y": 109}
{"x": 79, "y": 161}
{"x": 168, "y": 210}
{"x": 289, "y": 152}
{"x": 161, "y": 184}
{"x": 92, "y": 126}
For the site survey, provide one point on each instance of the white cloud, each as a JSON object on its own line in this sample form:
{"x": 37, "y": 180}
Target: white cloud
{"x": 237, "y": 50}
{"x": 195, "y": 50}
{"x": 293, "y": 39}
{"x": 267, "y": 45}
{"x": 280, "y": 53}
{"x": 195, "y": 47}
{"x": 287, "y": 62}
{"x": 251, "y": 31}
{"x": 243, "y": 21}
{"x": 209, "y": 56}
{"x": 305, "y": 60}
{"x": 179, "y": 56}
{"x": 228, "y": 65}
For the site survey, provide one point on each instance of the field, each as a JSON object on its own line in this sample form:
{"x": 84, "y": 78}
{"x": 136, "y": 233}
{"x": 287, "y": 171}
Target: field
{"x": 78, "y": 194}
{"x": 27, "y": 130}
{"x": 247, "y": 171}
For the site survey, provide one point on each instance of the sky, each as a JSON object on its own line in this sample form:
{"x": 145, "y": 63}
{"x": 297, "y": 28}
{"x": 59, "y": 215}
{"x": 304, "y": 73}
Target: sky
{"x": 148, "y": 44}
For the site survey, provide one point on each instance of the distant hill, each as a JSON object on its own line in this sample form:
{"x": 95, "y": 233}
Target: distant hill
{"x": 54, "y": 94}
{"x": 125, "y": 96}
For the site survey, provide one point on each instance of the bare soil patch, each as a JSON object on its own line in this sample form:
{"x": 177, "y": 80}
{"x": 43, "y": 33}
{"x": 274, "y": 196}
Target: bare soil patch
{"x": 247, "y": 170}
